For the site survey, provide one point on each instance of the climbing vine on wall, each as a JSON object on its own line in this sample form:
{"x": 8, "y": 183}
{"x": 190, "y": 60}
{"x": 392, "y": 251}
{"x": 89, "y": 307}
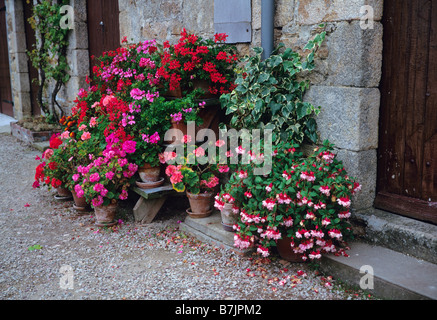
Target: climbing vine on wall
{"x": 48, "y": 54}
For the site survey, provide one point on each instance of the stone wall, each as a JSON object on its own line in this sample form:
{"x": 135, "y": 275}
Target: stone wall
{"x": 20, "y": 83}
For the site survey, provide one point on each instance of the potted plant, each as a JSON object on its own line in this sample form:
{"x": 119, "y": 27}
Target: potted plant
{"x": 52, "y": 169}
{"x": 228, "y": 202}
{"x": 304, "y": 199}
{"x": 269, "y": 94}
{"x": 195, "y": 171}
{"x": 194, "y": 62}
{"x": 106, "y": 179}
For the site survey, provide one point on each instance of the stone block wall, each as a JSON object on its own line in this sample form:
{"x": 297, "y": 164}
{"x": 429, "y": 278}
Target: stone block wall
{"x": 19, "y": 71}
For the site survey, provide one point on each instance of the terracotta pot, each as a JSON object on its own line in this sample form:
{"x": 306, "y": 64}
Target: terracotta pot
{"x": 204, "y": 85}
{"x": 63, "y": 194}
{"x": 286, "y": 251}
{"x": 148, "y": 173}
{"x": 80, "y": 204}
{"x": 200, "y": 204}
{"x": 105, "y": 215}
{"x": 177, "y": 131}
{"x": 228, "y": 217}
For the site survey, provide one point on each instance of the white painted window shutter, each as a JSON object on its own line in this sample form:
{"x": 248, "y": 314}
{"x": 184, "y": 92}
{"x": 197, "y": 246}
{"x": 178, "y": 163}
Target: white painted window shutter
{"x": 233, "y": 17}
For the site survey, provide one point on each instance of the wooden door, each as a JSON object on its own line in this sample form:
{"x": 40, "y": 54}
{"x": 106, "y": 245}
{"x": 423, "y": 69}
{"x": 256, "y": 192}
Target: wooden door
{"x": 6, "y": 104}
{"x": 407, "y": 155}
{"x": 103, "y": 26}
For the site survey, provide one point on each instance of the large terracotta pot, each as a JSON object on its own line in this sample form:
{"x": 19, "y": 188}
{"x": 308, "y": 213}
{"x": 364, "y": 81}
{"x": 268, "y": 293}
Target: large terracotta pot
{"x": 200, "y": 204}
{"x": 148, "y": 173}
{"x": 286, "y": 251}
{"x": 105, "y": 215}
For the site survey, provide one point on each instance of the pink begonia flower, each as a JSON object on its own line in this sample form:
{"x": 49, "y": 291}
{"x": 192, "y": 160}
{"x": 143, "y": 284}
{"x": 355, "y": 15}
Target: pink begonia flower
{"x": 76, "y": 177}
{"x": 79, "y": 191}
{"x": 109, "y": 175}
{"x": 199, "y": 152}
{"x": 65, "y": 135}
{"x": 47, "y": 154}
{"x": 129, "y": 146}
{"x": 82, "y": 127}
{"x": 122, "y": 162}
{"x": 176, "y": 177}
{"x": 123, "y": 195}
{"x": 94, "y": 177}
{"x": 186, "y": 139}
{"x": 85, "y": 136}
{"x": 219, "y": 143}
{"x": 223, "y": 168}
{"x": 96, "y": 202}
{"x": 137, "y": 94}
{"x": 93, "y": 122}
{"x": 107, "y": 100}
{"x": 177, "y": 116}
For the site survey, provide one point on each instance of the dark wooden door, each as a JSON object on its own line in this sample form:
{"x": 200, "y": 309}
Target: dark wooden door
{"x": 33, "y": 72}
{"x": 407, "y": 155}
{"x": 103, "y": 26}
{"x": 6, "y": 104}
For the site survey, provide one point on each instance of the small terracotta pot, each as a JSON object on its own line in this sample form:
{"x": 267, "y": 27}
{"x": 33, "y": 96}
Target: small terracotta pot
{"x": 228, "y": 217}
{"x": 200, "y": 204}
{"x": 286, "y": 251}
{"x": 105, "y": 215}
{"x": 148, "y": 173}
{"x": 63, "y": 192}
{"x": 177, "y": 132}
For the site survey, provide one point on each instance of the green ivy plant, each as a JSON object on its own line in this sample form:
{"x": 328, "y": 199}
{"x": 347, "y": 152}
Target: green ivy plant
{"x": 48, "y": 55}
{"x": 269, "y": 94}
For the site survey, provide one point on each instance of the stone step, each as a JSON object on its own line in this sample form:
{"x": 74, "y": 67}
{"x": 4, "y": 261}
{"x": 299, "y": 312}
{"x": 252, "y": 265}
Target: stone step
{"x": 396, "y": 276}
{"x": 401, "y": 234}
{"x": 210, "y": 230}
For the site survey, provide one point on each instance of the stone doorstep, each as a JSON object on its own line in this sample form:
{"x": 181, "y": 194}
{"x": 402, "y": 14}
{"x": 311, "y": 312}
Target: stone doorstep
{"x": 396, "y": 276}
{"x": 401, "y": 234}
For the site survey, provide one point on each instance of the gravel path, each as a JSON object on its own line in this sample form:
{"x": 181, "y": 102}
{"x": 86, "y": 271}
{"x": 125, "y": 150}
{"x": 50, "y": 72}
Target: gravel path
{"x": 155, "y": 262}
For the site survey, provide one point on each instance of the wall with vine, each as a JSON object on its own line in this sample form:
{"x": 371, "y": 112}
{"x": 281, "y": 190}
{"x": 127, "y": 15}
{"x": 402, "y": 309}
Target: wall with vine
{"x": 49, "y": 54}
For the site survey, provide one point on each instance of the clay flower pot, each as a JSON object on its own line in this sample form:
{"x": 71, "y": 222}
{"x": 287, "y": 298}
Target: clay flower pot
{"x": 200, "y": 204}
{"x": 148, "y": 173}
{"x": 177, "y": 131}
{"x": 229, "y": 218}
{"x": 63, "y": 193}
{"x": 105, "y": 215}
{"x": 80, "y": 204}
{"x": 286, "y": 251}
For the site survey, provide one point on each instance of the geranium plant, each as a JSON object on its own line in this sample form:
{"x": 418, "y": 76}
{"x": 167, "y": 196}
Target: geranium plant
{"x": 107, "y": 178}
{"x": 194, "y": 58}
{"x": 52, "y": 169}
{"x": 305, "y": 198}
{"x": 197, "y": 169}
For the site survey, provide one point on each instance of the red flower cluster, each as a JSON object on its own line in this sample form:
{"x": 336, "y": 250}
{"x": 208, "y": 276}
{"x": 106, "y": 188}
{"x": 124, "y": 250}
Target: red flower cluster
{"x": 194, "y": 58}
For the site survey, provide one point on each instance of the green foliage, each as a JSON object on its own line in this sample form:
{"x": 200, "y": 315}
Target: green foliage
{"x": 269, "y": 94}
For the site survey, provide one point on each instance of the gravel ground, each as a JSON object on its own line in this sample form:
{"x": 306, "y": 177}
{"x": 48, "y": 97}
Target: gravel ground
{"x": 154, "y": 262}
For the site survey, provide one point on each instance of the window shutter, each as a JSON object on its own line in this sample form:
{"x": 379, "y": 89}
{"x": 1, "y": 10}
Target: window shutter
{"x": 233, "y": 17}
